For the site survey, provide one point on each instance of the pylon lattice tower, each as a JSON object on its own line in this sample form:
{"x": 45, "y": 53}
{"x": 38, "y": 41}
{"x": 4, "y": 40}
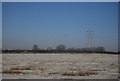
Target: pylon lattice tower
{"x": 90, "y": 40}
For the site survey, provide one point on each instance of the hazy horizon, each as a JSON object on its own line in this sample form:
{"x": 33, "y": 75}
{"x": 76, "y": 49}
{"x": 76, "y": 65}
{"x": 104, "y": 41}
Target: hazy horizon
{"x": 49, "y": 24}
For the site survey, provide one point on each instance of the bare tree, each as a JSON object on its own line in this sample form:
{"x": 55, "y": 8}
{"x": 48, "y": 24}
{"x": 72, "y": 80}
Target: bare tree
{"x": 35, "y": 47}
{"x": 49, "y": 48}
{"x": 61, "y": 47}
{"x": 99, "y": 49}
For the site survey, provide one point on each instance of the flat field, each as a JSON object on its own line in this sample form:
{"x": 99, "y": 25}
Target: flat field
{"x": 60, "y": 66}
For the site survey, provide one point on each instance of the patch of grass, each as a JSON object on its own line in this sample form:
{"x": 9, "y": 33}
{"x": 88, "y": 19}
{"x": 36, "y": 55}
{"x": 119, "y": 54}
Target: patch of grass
{"x": 54, "y": 73}
{"x": 79, "y": 73}
{"x": 19, "y": 69}
{"x": 11, "y": 72}
{"x": 22, "y": 68}
{"x": 26, "y": 68}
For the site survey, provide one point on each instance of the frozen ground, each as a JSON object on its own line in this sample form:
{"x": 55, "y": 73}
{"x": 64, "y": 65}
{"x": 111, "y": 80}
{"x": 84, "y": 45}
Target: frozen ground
{"x": 60, "y": 66}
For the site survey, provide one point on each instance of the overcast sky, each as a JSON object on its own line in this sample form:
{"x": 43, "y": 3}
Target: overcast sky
{"x": 50, "y": 24}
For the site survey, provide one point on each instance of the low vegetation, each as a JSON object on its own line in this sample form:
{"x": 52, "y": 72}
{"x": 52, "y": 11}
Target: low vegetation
{"x": 11, "y": 72}
{"x": 79, "y": 73}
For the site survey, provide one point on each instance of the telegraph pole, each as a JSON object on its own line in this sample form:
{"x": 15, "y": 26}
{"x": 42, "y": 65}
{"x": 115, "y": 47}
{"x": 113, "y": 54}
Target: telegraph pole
{"x": 90, "y": 40}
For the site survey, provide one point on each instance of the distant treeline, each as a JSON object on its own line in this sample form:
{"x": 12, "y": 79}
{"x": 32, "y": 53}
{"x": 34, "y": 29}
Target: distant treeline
{"x": 55, "y": 51}
{"x": 60, "y": 49}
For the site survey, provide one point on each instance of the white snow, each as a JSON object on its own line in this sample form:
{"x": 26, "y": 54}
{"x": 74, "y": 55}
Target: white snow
{"x": 52, "y": 66}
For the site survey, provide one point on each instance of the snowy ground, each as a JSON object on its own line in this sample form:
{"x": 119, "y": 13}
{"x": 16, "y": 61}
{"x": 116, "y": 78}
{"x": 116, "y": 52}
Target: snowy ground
{"x": 60, "y": 66}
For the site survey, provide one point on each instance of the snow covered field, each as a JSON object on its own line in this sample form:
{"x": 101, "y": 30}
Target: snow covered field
{"x": 60, "y": 66}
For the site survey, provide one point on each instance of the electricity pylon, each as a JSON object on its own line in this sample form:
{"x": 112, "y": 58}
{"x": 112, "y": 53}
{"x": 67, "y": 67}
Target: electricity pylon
{"x": 90, "y": 40}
